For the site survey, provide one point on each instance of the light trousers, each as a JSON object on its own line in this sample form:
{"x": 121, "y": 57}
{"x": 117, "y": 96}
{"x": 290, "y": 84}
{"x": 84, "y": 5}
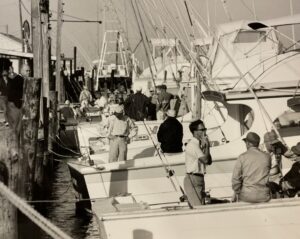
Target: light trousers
{"x": 117, "y": 149}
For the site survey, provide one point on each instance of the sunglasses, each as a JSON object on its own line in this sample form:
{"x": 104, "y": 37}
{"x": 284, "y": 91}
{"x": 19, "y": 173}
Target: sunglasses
{"x": 204, "y": 129}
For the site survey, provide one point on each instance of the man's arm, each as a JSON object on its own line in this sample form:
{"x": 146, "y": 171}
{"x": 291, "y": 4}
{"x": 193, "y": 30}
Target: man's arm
{"x": 160, "y": 133}
{"x": 206, "y": 158}
{"x": 237, "y": 180}
{"x": 133, "y": 129}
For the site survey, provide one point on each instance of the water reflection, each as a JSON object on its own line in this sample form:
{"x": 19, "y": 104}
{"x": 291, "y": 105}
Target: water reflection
{"x": 63, "y": 214}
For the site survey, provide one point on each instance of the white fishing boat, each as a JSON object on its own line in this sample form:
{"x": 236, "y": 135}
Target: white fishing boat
{"x": 276, "y": 219}
{"x": 270, "y": 73}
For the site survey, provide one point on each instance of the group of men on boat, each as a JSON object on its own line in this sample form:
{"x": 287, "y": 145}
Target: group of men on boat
{"x": 137, "y": 105}
{"x": 257, "y": 175}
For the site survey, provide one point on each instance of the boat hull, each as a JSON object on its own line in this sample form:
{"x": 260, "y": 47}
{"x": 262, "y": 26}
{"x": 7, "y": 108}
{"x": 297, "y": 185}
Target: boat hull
{"x": 276, "y": 219}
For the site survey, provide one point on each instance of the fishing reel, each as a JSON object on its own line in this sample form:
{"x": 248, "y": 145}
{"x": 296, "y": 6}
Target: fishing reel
{"x": 171, "y": 172}
{"x": 278, "y": 148}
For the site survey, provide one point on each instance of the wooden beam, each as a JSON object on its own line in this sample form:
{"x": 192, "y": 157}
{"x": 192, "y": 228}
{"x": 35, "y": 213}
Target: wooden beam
{"x": 37, "y": 47}
{"x": 29, "y": 134}
{"x": 46, "y": 51}
{"x": 59, "y": 83}
{"x": 75, "y": 59}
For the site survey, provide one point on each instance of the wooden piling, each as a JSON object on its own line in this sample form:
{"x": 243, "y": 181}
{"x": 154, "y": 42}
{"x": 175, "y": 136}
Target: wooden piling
{"x": 29, "y": 133}
{"x": 9, "y": 167}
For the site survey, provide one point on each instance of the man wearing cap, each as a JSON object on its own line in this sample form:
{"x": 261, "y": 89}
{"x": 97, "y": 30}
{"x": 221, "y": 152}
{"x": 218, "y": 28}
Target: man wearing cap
{"x": 85, "y": 97}
{"x": 153, "y": 102}
{"x": 170, "y": 134}
{"x": 276, "y": 149}
{"x": 197, "y": 156}
{"x": 251, "y": 173}
{"x": 164, "y": 99}
{"x": 290, "y": 183}
{"x": 120, "y": 130}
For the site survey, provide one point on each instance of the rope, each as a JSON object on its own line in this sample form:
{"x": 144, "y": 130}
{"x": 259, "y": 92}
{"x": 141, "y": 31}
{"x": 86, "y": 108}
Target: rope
{"x": 62, "y": 145}
{"x": 33, "y": 215}
{"x": 79, "y": 164}
{"x": 59, "y": 155}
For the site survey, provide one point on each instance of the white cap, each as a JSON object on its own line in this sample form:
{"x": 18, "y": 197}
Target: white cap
{"x": 171, "y": 113}
{"x": 119, "y": 109}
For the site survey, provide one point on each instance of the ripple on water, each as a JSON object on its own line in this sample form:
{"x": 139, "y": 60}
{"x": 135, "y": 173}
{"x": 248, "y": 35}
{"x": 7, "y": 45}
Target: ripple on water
{"x": 63, "y": 214}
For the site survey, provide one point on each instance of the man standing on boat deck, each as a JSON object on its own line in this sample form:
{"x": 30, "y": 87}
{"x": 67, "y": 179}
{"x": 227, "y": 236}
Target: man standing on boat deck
{"x": 85, "y": 97}
{"x": 164, "y": 99}
{"x": 120, "y": 130}
{"x": 197, "y": 156}
{"x": 170, "y": 134}
{"x": 251, "y": 173}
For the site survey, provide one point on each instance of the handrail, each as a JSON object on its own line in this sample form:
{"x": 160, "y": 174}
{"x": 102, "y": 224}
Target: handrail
{"x": 32, "y": 214}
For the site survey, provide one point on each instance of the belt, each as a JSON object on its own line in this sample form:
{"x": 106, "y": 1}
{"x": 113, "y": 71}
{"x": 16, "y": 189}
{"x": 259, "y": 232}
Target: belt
{"x": 121, "y": 136}
{"x": 196, "y": 174}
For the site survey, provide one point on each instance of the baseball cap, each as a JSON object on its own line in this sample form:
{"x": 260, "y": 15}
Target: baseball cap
{"x": 252, "y": 138}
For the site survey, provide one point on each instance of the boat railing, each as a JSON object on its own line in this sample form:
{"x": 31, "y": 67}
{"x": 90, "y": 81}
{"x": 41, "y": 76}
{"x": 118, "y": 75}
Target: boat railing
{"x": 264, "y": 66}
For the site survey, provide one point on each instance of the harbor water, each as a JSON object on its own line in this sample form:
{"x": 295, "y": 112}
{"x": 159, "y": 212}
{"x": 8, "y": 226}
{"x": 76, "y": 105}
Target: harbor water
{"x": 62, "y": 215}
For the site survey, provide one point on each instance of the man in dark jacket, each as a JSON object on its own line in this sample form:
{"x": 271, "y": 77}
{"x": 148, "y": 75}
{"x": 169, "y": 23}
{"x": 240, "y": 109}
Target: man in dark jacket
{"x": 164, "y": 99}
{"x": 15, "y": 95}
{"x": 170, "y": 134}
{"x": 137, "y": 105}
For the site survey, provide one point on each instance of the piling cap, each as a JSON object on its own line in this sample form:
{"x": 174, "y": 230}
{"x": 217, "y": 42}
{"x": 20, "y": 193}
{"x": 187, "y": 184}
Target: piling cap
{"x": 252, "y": 138}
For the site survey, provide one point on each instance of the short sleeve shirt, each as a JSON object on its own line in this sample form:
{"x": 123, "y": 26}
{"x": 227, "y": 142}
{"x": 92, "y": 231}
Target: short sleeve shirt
{"x": 192, "y": 155}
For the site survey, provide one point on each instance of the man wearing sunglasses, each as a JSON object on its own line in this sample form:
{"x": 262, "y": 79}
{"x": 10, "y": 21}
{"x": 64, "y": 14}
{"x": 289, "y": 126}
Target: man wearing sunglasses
{"x": 197, "y": 156}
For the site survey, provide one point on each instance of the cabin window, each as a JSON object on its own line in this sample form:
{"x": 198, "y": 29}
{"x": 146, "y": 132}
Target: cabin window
{"x": 288, "y": 124}
{"x": 250, "y": 37}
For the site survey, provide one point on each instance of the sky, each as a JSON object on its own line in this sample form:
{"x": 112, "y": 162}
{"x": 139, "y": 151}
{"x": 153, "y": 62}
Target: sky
{"x": 170, "y": 15}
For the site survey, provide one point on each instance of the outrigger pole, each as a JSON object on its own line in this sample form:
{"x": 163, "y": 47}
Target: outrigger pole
{"x": 143, "y": 40}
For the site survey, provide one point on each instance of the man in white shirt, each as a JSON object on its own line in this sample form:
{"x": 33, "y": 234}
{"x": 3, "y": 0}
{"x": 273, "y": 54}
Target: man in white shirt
{"x": 121, "y": 129}
{"x": 197, "y": 156}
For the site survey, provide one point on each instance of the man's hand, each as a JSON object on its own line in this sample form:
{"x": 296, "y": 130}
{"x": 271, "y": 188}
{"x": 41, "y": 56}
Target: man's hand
{"x": 204, "y": 143}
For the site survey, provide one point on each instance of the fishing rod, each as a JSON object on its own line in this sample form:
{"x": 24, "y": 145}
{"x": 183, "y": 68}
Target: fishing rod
{"x": 77, "y": 21}
{"x": 169, "y": 171}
